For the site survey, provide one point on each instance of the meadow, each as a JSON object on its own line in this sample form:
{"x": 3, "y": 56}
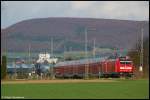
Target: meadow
{"x": 121, "y": 89}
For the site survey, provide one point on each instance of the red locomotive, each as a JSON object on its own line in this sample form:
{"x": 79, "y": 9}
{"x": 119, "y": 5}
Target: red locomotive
{"x": 121, "y": 66}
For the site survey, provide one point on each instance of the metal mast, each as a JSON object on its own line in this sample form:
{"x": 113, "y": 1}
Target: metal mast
{"x": 86, "y": 43}
{"x": 86, "y": 56}
{"x": 86, "y": 65}
{"x": 14, "y": 64}
{"x": 5, "y": 48}
{"x": 52, "y": 47}
{"x": 94, "y": 48}
{"x": 29, "y": 53}
{"x": 64, "y": 52}
{"x": 70, "y": 49}
{"x": 141, "y": 52}
{"x": 52, "y": 73}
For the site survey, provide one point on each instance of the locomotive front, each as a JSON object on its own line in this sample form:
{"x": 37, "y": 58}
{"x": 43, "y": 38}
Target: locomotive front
{"x": 124, "y": 66}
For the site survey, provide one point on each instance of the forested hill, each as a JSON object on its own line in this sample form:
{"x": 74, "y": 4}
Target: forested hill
{"x": 70, "y": 32}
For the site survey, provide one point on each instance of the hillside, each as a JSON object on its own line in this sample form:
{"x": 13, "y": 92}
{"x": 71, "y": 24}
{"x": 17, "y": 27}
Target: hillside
{"x": 70, "y": 32}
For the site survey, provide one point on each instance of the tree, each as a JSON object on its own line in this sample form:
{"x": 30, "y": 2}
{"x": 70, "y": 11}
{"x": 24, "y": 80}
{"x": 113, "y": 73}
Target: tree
{"x": 135, "y": 56}
{"x": 3, "y": 67}
{"x": 146, "y": 58}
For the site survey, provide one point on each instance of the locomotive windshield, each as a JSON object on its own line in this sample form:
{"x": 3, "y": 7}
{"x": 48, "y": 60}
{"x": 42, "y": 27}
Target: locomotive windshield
{"x": 125, "y": 62}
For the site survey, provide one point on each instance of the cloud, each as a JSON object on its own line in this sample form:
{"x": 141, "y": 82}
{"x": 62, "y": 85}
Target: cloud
{"x": 79, "y": 5}
{"x": 15, "y": 11}
{"x": 129, "y": 10}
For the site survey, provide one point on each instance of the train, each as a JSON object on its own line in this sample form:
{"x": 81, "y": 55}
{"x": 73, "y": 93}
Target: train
{"x": 95, "y": 67}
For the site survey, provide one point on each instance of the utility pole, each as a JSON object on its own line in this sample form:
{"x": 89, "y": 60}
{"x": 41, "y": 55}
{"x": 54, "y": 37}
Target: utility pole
{"x": 141, "y": 52}
{"x": 86, "y": 56}
{"x": 64, "y": 52}
{"x": 6, "y": 51}
{"x": 121, "y": 51}
{"x": 94, "y": 48}
{"x": 86, "y": 43}
{"x": 115, "y": 52}
{"x": 14, "y": 64}
{"x": 52, "y": 73}
{"x": 52, "y": 47}
{"x": 70, "y": 49}
{"x": 86, "y": 65}
{"x": 29, "y": 53}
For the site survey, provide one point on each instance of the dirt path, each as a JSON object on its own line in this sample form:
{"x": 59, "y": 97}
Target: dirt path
{"x": 54, "y": 81}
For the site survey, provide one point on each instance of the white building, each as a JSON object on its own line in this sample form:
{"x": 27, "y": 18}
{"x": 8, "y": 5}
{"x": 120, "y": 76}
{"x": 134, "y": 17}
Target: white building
{"x": 46, "y": 57}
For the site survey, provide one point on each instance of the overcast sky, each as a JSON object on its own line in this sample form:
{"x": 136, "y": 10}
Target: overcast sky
{"x": 16, "y": 11}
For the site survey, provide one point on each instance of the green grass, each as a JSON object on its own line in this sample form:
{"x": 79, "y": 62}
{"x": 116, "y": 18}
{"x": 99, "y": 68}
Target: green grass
{"x": 123, "y": 89}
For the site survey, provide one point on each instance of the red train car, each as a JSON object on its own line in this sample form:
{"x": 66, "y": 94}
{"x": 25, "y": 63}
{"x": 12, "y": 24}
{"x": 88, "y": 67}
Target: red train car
{"x": 98, "y": 67}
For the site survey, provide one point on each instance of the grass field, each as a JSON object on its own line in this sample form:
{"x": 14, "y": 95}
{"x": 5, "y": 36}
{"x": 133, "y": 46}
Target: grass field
{"x": 122, "y": 89}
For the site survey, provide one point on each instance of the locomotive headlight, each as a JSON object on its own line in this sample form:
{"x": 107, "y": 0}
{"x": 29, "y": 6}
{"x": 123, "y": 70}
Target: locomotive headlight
{"x": 122, "y": 67}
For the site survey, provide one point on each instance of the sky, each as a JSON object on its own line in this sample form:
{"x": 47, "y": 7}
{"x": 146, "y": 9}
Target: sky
{"x": 16, "y": 11}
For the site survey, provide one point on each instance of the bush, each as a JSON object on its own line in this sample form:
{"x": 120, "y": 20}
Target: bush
{"x": 3, "y": 67}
